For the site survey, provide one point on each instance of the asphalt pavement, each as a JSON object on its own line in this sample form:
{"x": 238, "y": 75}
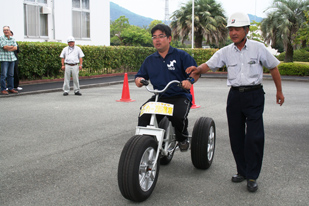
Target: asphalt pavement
{"x": 64, "y": 151}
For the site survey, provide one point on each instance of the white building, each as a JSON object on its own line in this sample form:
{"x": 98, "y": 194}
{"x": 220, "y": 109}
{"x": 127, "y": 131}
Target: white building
{"x": 54, "y": 20}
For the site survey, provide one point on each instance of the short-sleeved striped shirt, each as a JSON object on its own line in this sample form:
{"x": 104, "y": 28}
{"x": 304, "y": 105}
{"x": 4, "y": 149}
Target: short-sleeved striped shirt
{"x": 7, "y": 56}
{"x": 244, "y": 67}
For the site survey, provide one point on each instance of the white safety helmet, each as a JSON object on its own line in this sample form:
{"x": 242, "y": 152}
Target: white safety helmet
{"x": 70, "y": 39}
{"x": 238, "y": 19}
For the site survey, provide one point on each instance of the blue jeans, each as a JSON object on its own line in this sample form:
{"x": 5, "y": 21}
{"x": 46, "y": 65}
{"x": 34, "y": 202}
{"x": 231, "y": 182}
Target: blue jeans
{"x": 7, "y": 71}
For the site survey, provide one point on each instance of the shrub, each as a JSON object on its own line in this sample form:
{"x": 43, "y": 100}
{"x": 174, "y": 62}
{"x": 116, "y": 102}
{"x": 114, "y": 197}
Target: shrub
{"x": 201, "y": 55}
{"x": 299, "y": 55}
{"x": 39, "y": 60}
{"x": 298, "y": 69}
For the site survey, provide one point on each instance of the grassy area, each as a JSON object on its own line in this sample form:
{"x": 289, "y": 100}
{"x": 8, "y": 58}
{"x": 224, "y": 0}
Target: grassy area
{"x": 306, "y": 63}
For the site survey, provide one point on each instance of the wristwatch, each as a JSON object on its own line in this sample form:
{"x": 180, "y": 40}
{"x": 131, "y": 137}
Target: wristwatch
{"x": 191, "y": 80}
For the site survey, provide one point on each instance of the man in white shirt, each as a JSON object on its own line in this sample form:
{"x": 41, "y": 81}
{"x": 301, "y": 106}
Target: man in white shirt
{"x": 71, "y": 56}
{"x": 244, "y": 60}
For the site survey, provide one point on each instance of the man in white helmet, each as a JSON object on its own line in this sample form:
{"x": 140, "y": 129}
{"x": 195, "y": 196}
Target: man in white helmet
{"x": 72, "y": 62}
{"x": 244, "y": 60}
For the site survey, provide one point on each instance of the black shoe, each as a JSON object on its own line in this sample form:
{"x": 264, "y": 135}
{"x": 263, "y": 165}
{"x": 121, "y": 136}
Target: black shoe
{"x": 78, "y": 93}
{"x": 184, "y": 145}
{"x": 238, "y": 178}
{"x": 65, "y": 94}
{"x": 252, "y": 186}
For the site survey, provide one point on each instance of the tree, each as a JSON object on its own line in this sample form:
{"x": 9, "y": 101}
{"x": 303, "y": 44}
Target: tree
{"x": 209, "y": 22}
{"x": 135, "y": 36}
{"x": 153, "y": 24}
{"x": 270, "y": 32}
{"x": 116, "y": 28}
{"x": 283, "y": 22}
{"x": 302, "y": 36}
{"x": 254, "y": 31}
{"x": 122, "y": 33}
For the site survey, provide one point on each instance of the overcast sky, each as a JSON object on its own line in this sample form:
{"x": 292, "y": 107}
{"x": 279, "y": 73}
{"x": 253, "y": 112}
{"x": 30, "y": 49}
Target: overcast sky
{"x": 156, "y": 9}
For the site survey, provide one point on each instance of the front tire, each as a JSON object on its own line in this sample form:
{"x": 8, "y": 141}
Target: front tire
{"x": 203, "y": 143}
{"x": 137, "y": 174}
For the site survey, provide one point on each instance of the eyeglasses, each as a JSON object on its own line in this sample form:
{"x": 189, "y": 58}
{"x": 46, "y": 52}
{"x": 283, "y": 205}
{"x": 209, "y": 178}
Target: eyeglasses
{"x": 158, "y": 37}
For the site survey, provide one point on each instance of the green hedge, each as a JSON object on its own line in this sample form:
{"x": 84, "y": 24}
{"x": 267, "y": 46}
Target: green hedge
{"x": 106, "y": 60}
{"x": 37, "y": 60}
{"x": 201, "y": 55}
{"x": 301, "y": 55}
{"x": 297, "y": 69}
{"x": 41, "y": 60}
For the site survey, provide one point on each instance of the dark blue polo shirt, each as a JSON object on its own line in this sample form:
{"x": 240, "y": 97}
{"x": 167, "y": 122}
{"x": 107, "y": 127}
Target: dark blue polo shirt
{"x": 161, "y": 71}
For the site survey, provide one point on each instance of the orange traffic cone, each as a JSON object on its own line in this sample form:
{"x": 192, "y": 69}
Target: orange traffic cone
{"x": 194, "y": 106}
{"x": 125, "y": 91}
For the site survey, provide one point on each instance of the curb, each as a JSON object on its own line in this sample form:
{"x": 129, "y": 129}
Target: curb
{"x": 60, "y": 89}
{"x": 80, "y": 78}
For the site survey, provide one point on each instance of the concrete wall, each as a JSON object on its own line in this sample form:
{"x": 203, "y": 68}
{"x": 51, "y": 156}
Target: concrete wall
{"x": 59, "y": 21}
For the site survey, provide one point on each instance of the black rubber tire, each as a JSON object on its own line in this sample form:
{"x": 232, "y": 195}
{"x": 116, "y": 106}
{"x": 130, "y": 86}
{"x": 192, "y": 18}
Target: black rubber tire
{"x": 129, "y": 168}
{"x": 165, "y": 160}
{"x": 203, "y": 140}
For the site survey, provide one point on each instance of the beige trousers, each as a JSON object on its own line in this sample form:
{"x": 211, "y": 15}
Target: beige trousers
{"x": 67, "y": 76}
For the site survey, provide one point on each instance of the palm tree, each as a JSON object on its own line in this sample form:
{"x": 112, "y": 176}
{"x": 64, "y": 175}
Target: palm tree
{"x": 283, "y": 22}
{"x": 209, "y": 22}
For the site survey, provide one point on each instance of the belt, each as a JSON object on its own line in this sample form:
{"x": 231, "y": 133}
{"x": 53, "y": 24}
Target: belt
{"x": 247, "y": 88}
{"x": 71, "y": 64}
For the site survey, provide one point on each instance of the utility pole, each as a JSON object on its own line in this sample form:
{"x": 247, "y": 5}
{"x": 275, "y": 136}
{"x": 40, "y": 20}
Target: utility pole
{"x": 192, "y": 24}
{"x": 167, "y": 15}
{"x": 255, "y": 11}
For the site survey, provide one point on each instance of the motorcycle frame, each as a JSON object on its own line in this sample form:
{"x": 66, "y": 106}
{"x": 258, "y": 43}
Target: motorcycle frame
{"x": 153, "y": 129}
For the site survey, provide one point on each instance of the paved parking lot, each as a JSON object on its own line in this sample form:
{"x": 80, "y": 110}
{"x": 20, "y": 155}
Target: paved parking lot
{"x": 58, "y": 150}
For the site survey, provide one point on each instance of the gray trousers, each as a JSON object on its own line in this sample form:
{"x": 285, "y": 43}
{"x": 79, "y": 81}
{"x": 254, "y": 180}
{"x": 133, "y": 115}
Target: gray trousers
{"x": 67, "y": 76}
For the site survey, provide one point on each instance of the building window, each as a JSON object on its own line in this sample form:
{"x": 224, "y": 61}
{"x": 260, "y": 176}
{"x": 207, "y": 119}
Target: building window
{"x": 35, "y": 21}
{"x": 81, "y": 19}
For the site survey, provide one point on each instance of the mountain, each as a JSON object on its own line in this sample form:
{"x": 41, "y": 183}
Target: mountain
{"x": 255, "y": 18}
{"x": 134, "y": 19}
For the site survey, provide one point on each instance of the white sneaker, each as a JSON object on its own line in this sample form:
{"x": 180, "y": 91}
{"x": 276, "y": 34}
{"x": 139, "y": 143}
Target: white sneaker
{"x": 19, "y": 88}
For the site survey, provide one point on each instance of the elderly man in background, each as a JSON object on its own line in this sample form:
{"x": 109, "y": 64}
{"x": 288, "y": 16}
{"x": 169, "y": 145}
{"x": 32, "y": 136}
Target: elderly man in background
{"x": 71, "y": 56}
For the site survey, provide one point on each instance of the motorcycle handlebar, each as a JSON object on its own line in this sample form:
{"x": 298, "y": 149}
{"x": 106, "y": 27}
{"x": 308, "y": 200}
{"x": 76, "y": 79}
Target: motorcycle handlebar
{"x": 163, "y": 90}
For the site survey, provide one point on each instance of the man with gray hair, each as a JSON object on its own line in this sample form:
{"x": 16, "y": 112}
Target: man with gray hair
{"x": 7, "y": 58}
{"x": 244, "y": 59}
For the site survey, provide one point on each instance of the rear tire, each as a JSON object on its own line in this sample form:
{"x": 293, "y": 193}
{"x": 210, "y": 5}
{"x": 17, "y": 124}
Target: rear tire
{"x": 203, "y": 143}
{"x": 136, "y": 175}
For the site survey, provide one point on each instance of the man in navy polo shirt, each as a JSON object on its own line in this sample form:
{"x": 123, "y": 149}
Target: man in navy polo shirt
{"x": 160, "y": 68}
